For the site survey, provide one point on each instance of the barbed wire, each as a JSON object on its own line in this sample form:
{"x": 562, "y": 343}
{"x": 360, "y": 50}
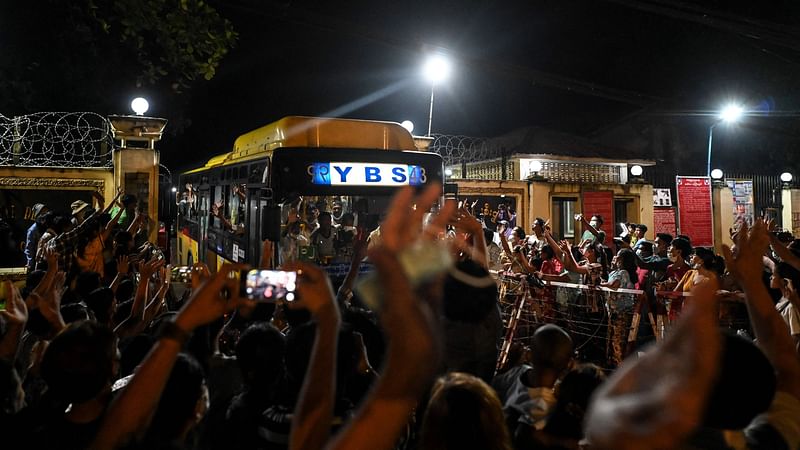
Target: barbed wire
{"x": 56, "y": 139}
{"x": 457, "y": 149}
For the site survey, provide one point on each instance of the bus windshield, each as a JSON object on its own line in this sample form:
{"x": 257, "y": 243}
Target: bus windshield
{"x": 329, "y": 198}
{"x": 324, "y": 229}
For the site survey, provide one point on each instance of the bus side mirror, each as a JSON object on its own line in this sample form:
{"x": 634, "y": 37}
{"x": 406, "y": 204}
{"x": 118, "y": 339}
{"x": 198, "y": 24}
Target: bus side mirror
{"x": 271, "y": 223}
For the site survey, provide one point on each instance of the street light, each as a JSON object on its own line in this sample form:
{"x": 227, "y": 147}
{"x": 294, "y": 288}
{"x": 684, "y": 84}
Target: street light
{"x": 730, "y": 114}
{"x": 436, "y": 70}
{"x": 717, "y": 174}
{"x": 408, "y": 125}
{"x": 140, "y": 106}
{"x": 637, "y": 170}
{"x": 786, "y": 177}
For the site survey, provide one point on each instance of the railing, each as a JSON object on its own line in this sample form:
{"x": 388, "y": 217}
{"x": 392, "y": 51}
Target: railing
{"x": 56, "y": 139}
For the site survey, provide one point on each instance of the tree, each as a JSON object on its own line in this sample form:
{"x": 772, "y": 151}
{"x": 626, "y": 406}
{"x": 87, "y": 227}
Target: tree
{"x": 95, "y": 54}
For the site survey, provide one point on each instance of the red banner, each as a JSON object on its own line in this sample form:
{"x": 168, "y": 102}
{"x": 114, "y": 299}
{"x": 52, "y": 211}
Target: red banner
{"x": 664, "y": 221}
{"x": 694, "y": 210}
{"x": 601, "y": 203}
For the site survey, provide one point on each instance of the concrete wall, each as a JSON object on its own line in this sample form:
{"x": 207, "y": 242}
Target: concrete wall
{"x": 723, "y": 207}
{"x": 129, "y": 161}
{"x": 101, "y": 180}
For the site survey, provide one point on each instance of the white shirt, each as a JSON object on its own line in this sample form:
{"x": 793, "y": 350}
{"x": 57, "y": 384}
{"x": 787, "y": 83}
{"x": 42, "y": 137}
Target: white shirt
{"x": 790, "y": 315}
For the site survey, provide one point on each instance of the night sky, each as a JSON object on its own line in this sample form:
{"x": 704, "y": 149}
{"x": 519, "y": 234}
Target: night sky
{"x": 578, "y": 66}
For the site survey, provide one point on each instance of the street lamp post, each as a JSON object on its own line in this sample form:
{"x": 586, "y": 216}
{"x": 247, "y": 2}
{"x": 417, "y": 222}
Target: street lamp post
{"x": 436, "y": 70}
{"x": 730, "y": 114}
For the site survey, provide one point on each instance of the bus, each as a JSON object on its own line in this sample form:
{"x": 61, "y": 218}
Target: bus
{"x": 298, "y": 167}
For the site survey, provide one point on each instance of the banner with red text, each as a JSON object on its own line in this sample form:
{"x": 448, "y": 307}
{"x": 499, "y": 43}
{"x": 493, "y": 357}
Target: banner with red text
{"x": 664, "y": 221}
{"x": 695, "y": 213}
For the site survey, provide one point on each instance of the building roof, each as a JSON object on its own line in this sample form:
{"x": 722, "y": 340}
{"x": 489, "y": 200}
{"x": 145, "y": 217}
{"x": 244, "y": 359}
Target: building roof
{"x": 550, "y": 144}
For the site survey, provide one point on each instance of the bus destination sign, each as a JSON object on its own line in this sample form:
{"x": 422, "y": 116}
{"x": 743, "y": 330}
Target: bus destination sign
{"x": 366, "y": 174}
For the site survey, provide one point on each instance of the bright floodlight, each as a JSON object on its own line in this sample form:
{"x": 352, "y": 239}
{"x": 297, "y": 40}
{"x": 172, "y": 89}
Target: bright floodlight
{"x": 436, "y": 69}
{"x": 408, "y": 125}
{"x": 174, "y": 189}
{"x": 140, "y": 106}
{"x": 636, "y": 170}
{"x": 448, "y": 172}
{"x": 786, "y": 177}
{"x": 716, "y": 174}
{"x": 731, "y": 113}
{"x": 536, "y": 166}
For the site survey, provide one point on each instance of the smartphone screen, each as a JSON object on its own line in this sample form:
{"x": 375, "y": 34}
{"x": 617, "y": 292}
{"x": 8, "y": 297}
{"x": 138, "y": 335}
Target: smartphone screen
{"x": 270, "y": 285}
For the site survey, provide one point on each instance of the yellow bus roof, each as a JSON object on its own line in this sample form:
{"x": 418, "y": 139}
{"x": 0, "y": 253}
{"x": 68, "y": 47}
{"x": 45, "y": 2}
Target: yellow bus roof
{"x": 309, "y": 132}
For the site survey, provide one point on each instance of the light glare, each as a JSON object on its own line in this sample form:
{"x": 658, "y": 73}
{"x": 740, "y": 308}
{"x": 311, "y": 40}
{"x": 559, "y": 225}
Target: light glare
{"x": 786, "y": 177}
{"x": 140, "y": 106}
{"x": 731, "y": 113}
{"x": 636, "y": 170}
{"x": 408, "y": 125}
{"x": 716, "y": 174}
{"x": 437, "y": 69}
{"x": 536, "y": 166}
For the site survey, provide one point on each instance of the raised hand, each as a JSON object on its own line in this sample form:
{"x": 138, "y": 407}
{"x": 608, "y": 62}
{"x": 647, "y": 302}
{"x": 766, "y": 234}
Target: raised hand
{"x": 200, "y": 274}
{"x": 123, "y": 265}
{"x": 211, "y": 299}
{"x": 402, "y": 225}
{"x": 16, "y": 313}
{"x": 49, "y": 301}
{"x": 751, "y": 243}
{"x": 314, "y": 289}
{"x": 51, "y": 256}
{"x": 465, "y": 222}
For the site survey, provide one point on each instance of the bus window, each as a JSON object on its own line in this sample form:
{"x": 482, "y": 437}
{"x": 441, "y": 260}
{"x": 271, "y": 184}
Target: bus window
{"x": 324, "y": 229}
{"x": 237, "y": 208}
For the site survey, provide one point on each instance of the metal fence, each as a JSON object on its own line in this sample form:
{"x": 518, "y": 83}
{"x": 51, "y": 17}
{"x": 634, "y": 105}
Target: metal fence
{"x": 56, "y": 139}
{"x": 606, "y": 325}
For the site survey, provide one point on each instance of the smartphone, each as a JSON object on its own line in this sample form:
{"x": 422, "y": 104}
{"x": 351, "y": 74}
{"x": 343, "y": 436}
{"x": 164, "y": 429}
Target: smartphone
{"x": 182, "y": 274}
{"x": 270, "y": 285}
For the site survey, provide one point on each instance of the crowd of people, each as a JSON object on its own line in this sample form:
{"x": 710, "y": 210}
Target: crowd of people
{"x": 96, "y": 351}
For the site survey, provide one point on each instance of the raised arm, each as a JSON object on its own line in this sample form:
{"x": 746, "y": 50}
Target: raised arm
{"x": 589, "y": 227}
{"x": 15, "y": 316}
{"x": 467, "y": 223}
{"x": 412, "y": 354}
{"x": 557, "y": 250}
{"x": 110, "y": 225}
{"x": 658, "y": 399}
{"x": 783, "y": 252}
{"x": 313, "y": 416}
{"x": 133, "y": 324}
{"x": 770, "y": 330}
{"x": 128, "y": 414}
{"x": 359, "y": 253}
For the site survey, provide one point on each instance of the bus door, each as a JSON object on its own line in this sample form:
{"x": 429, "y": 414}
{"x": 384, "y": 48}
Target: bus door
{"x": 203, "y": 210}
{"x": 259, "y": 222}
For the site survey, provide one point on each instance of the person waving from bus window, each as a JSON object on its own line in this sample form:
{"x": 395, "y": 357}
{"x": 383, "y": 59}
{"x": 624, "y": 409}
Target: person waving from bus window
{"x": 323, "y": 238}
{"x": 291, "y": 238}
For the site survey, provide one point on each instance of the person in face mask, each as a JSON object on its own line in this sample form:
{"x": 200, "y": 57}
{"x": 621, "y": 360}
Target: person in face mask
{"x": 678, "y": 252}
{"x": 593, "y": 228}
{"x": 703, "y": 269}
{"x": 337, "y": 213}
